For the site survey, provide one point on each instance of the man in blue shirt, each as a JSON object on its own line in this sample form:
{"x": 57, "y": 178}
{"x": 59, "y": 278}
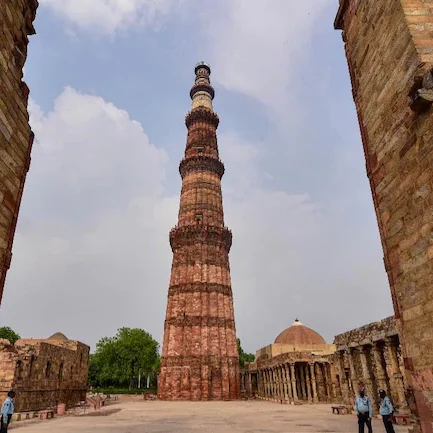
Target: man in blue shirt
{"x": 386, "y": 410}
{"x": 364, "y": 410}
{"x": 7, "y": 411}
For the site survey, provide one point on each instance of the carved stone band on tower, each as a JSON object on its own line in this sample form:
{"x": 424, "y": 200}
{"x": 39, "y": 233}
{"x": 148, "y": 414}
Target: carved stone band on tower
{"x": 200, "y": 359}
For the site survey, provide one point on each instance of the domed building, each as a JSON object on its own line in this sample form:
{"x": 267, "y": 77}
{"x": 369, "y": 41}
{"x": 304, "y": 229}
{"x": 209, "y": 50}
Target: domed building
{"x": 300, "y": 367}
{"x": 295, "y": 369}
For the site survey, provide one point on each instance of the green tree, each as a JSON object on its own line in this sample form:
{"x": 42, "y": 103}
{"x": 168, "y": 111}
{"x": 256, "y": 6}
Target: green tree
{"x": 9, "y": 334}
{"x": 244, "y": 357}
{"x": 120, "y": 360}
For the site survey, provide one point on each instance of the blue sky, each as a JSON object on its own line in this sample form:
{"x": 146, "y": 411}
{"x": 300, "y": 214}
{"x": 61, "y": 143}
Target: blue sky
{"x": 110, "y": 84}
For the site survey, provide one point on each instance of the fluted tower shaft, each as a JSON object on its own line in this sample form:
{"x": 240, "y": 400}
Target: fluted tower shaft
{"x": 200, "y": 359}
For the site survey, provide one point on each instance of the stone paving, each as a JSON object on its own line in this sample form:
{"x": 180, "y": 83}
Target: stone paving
{"x": 209, "y": 417}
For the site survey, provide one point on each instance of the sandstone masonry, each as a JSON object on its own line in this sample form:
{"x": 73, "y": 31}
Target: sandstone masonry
{"x": 389, "y": 48}
{"x": 44, "y": 372}
{"x": 16, "y": 137}
{"x": 200, "y": 359}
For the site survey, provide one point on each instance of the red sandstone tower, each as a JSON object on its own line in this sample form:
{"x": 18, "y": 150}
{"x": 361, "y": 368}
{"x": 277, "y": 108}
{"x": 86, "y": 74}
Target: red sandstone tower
{"x": 200, "y": 359}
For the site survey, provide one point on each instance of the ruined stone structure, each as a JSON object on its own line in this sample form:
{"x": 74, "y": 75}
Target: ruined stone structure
{"x": 296, "y": 368}
{"x": 371, "y": 356}
{"x": 301, "y": 368}
{"x": 200, "y": 359}
{"x": 16, "y": 137}
{"x": 389, "y": 49}
{"x": 44, "y": 372}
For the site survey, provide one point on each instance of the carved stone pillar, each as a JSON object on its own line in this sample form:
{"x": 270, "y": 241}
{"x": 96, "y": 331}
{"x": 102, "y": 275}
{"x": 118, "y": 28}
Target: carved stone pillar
{"x": 303, "y": 382}
{"x": 249, "y": 384}
{"x": 275, "y": 381}
{"x": 285, "y": 390}
{"x": 313, "y": 383}
{"x": 259, "y": 383}
{"x": 289, "y": 382}
{"x": 345, "y": 392}
{"x": 269, "y": 376}
{"x": 282, "y": 383}
{"x": 396, "y": 373}
{"x": 329, "y": 381}
{"x": 308, "y": 383}
{"x": 379, "y": 366}
{"x": 353, "y": 376}
{"x": 278, "y": 372}
{"x": 293, "y": 377}
{"x": 364, "y": 354}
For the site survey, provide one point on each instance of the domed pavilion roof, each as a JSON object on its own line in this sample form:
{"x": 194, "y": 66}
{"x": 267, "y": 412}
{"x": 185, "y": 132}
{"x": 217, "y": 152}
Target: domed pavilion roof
{"x": 58, "y": 336}
{"x": 298, "y": 334}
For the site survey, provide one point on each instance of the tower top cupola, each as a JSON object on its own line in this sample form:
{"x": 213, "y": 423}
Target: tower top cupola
{"x": 202, "y": 93}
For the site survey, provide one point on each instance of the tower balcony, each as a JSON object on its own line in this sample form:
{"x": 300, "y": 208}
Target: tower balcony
{"x": 202, "y": 114}
{"x": 201, "y": 163}
{"x": 181, "y": 236}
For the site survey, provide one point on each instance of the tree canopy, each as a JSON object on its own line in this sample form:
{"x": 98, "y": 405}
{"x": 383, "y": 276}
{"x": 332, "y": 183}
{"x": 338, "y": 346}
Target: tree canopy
{"x": 244, "y": 357}
{"x": 119, "y": 360}
{"x": 9, "y": 334}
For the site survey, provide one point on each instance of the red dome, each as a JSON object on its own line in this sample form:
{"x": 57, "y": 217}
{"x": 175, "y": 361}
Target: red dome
{"x": 298, "y": 334}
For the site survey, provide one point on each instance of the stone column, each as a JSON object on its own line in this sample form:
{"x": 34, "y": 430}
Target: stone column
{"x": 308, "y": 383}
{"x": 283, "y": 375}
{"x": 363, "y": 354}
{"x": 313, "y": 382}
{"x": 249, "y": 384}
{"x": 289, "y": 382}
{"x": 353, "y": 377}
{"x": 265, "y": 383}
{"x": 343, "y": 381}
{"x": 379, "y": 366}
{"x": 277, "y": 382}
{"x": 259, "y": 383}
{"x": 268, "y": 383}
{"x": 274, "y": 383}
{"x": 303, "y": 382}
{"x": 293, "y": 377}
{"x": 326, "y": 380}
{"x": 331, "y": 383}
{"x": 396, "y": 373}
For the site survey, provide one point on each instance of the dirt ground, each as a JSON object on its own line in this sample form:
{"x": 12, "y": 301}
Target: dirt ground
{"x": 138, "y": 416}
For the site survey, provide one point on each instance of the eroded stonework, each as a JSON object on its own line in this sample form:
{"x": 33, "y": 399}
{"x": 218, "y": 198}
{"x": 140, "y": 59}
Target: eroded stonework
{"x": 16, "y": 137}
{"x": 389, "y": 49}
{"x": 200, "y": 359}
{"x": 44, "y": 372}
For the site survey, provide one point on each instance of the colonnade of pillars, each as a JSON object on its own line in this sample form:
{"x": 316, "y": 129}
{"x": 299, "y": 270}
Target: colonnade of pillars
{"x": 376, "y": 373}
{"x": 297, "y": 382}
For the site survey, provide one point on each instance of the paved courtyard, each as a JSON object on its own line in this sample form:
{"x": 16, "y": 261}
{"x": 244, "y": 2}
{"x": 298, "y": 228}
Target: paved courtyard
{"x": 210, "y": 417}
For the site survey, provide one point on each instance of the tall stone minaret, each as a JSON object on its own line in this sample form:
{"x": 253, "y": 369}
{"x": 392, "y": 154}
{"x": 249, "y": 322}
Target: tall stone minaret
{"x": 200, "y": 359}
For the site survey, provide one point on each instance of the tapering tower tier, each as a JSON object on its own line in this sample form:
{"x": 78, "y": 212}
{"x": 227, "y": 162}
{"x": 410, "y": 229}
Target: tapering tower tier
{"x": 200, "y": 359}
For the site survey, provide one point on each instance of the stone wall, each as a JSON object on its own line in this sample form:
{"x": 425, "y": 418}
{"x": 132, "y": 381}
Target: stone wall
{"x": 370, "y": 356}
{"x": 16, "y": 137}
{"x": 389, "y": 48}
{"x": 367, "y": 334}
{"x": 43, "y": 372}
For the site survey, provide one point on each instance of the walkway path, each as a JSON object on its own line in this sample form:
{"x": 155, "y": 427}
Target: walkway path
{"x": 206, "y": 417}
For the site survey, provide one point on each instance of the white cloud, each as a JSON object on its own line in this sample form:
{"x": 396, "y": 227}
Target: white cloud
{"x": 258, "y": 47}
{"x": 110, "y": 16}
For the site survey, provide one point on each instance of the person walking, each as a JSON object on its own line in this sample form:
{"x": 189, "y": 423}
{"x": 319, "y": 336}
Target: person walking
{"x": 7, "y": 411}
{"x": 386, "y": 409}
{"x": 364, "y": 411}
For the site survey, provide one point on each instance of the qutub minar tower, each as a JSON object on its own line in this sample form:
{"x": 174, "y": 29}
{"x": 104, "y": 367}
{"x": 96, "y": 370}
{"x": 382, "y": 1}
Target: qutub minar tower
{"x": 200, "y": 359}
